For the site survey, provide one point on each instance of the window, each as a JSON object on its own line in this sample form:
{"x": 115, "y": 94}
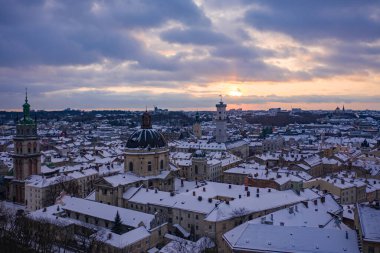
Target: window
{"x": 162, "y": 164}
{"x": 130, "y": 166}
{"x": 196, "y": 169}
{"x": 149, "y": 166}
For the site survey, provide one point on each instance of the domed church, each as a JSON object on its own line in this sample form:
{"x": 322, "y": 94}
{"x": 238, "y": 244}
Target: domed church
{"x": 147, "y": 153}
{"x": 146, "y": 164}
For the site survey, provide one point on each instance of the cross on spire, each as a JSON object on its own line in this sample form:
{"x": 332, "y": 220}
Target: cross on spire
{"x": 26, "y": 95}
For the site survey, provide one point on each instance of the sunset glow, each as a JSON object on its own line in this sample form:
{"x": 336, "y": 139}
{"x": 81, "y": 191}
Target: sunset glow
{"x": 128, "y": 55}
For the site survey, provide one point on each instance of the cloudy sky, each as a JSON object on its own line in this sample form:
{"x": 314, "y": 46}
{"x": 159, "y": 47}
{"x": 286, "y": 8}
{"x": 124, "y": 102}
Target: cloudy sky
{"x": 181, "y": 54}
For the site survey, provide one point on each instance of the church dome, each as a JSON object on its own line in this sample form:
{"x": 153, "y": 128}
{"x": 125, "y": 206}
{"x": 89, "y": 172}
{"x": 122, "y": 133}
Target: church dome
{"x": 146, "y": 137}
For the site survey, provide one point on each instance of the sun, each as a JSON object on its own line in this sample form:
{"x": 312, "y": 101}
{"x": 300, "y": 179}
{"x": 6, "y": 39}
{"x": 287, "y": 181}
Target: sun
{"x": 235, "y": 93}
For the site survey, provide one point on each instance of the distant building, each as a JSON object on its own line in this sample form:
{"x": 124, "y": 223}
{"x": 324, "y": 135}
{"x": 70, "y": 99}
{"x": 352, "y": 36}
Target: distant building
{"x": 221, "y": 123}
{"x": 197, "y": 130}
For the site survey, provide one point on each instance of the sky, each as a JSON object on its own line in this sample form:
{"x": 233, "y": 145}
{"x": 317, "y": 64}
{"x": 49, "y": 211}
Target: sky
{"x": 183, "y": 54}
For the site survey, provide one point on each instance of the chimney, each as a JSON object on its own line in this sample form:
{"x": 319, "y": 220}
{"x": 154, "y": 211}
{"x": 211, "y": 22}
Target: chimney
{"x": 323, "y": 199}
{"x": 257, "y": 190}
{"x": 210, "y": 200}
{"x": 227, "y": 202}
{"x": 200, "y": 198}
{"x": 246, "y": 188}
{"x": 204, "y": 189}
{"x": 315, "y": 202}
{"x": 193, "y": 193}
{"x": 257, "y": 195}
{"x": 269, "y": 190}
{"x": 239, "y": 196}
{"x": 248, "y": 194}
{"x": 229, "y": 186}
{"x": 155, "y": 191}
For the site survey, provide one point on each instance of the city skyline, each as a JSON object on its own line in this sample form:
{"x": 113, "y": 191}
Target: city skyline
{"x": 181, "y": 55}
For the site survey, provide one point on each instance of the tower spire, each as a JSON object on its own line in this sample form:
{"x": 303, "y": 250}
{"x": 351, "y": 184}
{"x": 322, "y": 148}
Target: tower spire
{"x": 26, "y": 108}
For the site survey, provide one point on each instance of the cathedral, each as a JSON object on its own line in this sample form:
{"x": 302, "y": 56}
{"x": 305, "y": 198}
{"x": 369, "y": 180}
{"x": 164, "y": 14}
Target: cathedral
{"x": 146, "y": 164}
{"x": 26, "y": 156}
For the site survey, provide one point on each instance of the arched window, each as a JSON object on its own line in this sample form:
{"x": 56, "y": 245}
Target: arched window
{"x": 35, "y": 147}
{"x": 30, "y": 167}
{"x": 29, "y": 147}
{"x": 162, "y": 164}
{"x": 130, "y": 166}
{"x": 35, "y": 166}
{"x": 149, "y": 166}
{"x": 196, "y": 169}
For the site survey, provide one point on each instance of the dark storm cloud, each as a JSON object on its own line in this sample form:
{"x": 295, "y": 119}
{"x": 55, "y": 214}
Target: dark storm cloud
{"x": 74, "y": 32}
{"x": 312, "y": 20}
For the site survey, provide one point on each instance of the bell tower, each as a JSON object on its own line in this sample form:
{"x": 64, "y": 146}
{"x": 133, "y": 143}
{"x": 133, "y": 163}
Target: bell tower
{"x": 27, "y": 155}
